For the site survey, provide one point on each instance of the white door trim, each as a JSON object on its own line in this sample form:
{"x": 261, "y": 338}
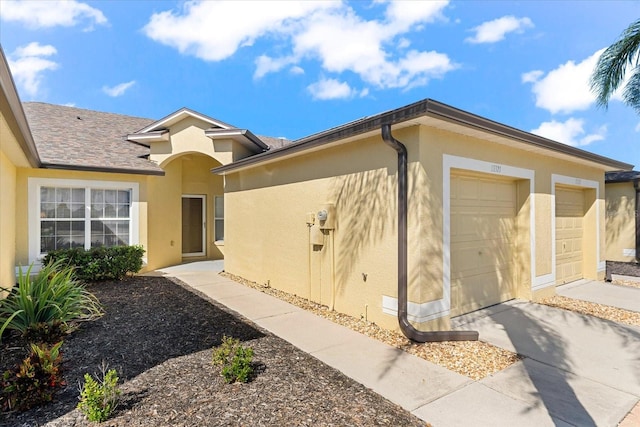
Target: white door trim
{"x": 442, "y": 307}
{"x": 203, "y": 197}
{"x": 580, "y": 183}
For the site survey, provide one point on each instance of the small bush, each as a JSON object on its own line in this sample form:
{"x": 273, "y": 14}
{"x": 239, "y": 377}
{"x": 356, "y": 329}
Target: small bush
{"x": 234, "y": 359}
{"x": 51, "y": 298}
{"x": 99, "y": 396}
{"x": 103, "y": 263}
{"x": 34, "y": 381}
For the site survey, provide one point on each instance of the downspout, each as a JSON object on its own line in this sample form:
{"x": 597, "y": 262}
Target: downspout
{"x": 407, "y": 328}
{"x": 636, "y": 185}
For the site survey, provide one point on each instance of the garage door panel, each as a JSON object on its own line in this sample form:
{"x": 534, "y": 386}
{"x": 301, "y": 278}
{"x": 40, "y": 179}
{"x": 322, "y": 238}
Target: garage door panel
{"x": 482, "y": 242}
{"x": 569, "y": 232}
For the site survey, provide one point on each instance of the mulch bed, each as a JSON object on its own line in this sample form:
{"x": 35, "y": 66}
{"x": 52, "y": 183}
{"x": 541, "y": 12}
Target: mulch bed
{"x": 159, "y": 336}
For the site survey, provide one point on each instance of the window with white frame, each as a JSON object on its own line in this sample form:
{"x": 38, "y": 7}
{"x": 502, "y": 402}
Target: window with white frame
{"x": 87, "y": 214}
{"x": 218, "y": 218}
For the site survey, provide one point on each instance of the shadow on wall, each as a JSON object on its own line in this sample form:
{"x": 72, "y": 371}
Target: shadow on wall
{"x": 617, "y": 219}
{"x": 367, "y": 202}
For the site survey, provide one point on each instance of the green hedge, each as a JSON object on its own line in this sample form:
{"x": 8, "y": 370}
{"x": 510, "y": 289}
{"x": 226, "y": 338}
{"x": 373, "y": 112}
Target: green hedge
{"x": 100, "y": 263}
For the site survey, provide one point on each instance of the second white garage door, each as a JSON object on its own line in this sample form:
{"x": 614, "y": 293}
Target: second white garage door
{"x": 483, "y": 242}
{"x": 569, "y": 229}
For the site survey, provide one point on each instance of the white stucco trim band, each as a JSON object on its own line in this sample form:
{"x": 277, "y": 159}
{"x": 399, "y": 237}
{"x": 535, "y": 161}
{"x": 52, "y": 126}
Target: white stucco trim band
{"x": 580, "y": 183}
{"x": 442, "y": 307}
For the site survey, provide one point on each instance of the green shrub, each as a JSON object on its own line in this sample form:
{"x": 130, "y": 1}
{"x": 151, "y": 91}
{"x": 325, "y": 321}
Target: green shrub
{"x": 234, "y": 359}
{"x": 52, "y": 298}
{"x": 99, "y": 396}
{"x": 34, "y": 381}
{"x": 102, "y": 263}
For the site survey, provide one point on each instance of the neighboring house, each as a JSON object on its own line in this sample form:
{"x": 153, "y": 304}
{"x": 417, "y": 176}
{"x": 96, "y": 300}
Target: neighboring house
{"x": 494, "y": 213}
{"x": 623, "y": 215}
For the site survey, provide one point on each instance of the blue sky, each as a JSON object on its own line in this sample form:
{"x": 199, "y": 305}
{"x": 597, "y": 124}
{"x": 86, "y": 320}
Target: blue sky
{"x": 295, "y": 68}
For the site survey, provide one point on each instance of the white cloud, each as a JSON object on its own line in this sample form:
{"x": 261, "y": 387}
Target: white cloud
{"x": 214, "y": 31}
{"x": 570, "y": 132}
{"x": 566, "y": 88}
{"x": 46, "y": 14}
{"x": 532, "y": 76}
{"x": 637, "y": 129}
{"x": 28, "y": 63}
{"x": 495, "y": 31}
{"x": 118, "y": 90}
{"x": 296, "y": 70}
{"x": 331, "y": 33}
{"x": 330, "y": 89}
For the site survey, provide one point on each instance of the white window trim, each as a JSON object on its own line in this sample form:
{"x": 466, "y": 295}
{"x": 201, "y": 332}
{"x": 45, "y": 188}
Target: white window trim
{"x": 34, "y": 185}
{"x": 218, "y": 242}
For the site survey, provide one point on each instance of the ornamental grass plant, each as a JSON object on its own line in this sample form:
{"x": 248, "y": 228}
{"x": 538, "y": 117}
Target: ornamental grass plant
{"x": 52, "y": 297}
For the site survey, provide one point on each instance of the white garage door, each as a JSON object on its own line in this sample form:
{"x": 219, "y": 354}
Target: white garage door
{"x": 569, "y": 229}
{"x": 483, "y": 233}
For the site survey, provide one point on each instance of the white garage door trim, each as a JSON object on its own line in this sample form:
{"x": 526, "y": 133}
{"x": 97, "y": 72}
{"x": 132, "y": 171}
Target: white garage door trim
{"x": 442, "y": 307}
{"x": 575, "y": 182}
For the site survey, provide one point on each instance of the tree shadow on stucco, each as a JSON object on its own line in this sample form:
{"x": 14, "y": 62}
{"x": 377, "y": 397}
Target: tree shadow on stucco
{"x": 616, "y": 220}
{"x": 367, "y": 202}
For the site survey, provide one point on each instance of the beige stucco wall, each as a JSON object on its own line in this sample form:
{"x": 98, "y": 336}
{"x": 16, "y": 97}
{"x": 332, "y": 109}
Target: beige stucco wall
{"x": 268, "y": 239}
{"x": 621, "y": 228}
{"x": 185, "y": 174}
{"x": 187, "y": 159}
{"x": 7, "y": 222}
{"x": 187, "y": 136}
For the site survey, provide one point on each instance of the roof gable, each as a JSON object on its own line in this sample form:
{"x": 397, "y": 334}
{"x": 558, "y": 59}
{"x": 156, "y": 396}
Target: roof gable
{"x": 180, "y": 115}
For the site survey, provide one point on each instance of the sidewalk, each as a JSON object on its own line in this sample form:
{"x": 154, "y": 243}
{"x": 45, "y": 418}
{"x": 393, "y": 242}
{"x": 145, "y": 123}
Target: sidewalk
{"x": 432, "y": 393}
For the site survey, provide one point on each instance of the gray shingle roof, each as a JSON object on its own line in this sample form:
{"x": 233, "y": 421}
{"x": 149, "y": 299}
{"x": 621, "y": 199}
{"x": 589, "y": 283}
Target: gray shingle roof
{"x": 621, "y": 176}
{"x": 70, "y": 137}
{"x": 75, "y": 138}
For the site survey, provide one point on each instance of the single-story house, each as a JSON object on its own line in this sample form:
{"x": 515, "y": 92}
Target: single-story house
{"x": 489, "y": 212}
{"x": 622, "y": 198}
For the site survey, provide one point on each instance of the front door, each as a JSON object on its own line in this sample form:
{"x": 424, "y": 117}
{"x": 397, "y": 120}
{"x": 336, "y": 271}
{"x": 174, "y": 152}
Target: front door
{"x": 193, "y": 225}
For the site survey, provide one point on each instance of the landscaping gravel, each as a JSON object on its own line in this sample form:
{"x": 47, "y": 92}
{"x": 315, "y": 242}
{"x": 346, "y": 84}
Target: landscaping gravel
{"x": 474, "y": 359}
{"x": 159, "y": 336}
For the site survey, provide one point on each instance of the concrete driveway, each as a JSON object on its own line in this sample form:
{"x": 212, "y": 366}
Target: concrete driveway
{"x": 577, "y": 370}
{"x": 625, "y": 297}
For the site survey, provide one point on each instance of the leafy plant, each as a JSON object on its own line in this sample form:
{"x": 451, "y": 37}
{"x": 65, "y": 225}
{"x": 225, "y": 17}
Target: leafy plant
{"x": 99, "y": 396}
{"x": 234, "y": 359}
{"x": 52, "y": 297}
{"x": 34, "y": 381}
{"x": 102, "y": 263}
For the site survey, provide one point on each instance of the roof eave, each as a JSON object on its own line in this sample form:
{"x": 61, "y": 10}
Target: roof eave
{"x": 426, "y": 107}
{"x": 9, "y": 89}
{"x": 152, "y": 136}
{"x": 243, "y": 136}
{"x": 83, "y": 168}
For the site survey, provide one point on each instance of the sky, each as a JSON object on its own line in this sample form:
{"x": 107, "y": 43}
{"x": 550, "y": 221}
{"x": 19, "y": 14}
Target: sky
{"x": 293, "y": 68}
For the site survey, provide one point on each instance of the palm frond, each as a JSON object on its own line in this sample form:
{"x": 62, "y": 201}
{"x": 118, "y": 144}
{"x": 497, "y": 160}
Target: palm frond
{"x": 610, "y": 70}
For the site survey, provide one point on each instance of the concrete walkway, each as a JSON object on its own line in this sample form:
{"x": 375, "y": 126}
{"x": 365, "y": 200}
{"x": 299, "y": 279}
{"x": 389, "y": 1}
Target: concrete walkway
{"x": 625, "y": 297}
{"x": 553, "y": 386}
